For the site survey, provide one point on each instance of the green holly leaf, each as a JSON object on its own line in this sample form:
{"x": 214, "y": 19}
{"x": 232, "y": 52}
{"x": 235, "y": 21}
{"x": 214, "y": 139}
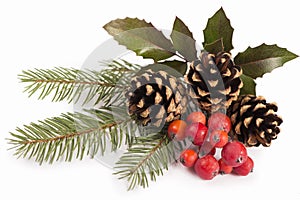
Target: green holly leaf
{"x": 173, "y": 67}
{"x": 179, "y": 66}
{"x": 218, "y": 26}
{"x": 248, "y": 85}
{"x": 183, "y": 40}
{"x": 262, "y": 59}
{"x": 215, "y": 47}
{"x": 141, "y": 37}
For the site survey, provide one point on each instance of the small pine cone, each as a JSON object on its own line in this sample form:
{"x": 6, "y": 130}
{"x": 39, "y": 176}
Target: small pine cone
{"x": 214, "y": 81}
{"x": 254, "y": 121}
{"x": 156, "y": 98}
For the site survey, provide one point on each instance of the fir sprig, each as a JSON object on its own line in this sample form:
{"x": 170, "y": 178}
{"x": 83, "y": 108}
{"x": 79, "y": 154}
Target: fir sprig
{"x": 148, "y": 157}
{"x": 72, "y": 85}
{"x": 71, "y": 135}
{"x": 145, "y": 159}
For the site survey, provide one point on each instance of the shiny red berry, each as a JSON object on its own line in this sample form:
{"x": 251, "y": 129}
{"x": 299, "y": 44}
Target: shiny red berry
{"x": 219, "y": 121}
{"x": 195, "y": 117}
{"x": 234, "y": 154}
{"x": 197, "y": 132}
{"x": 224, "y": 168}
{"x": 207, "y": 167}
{"x": 219, "y": 138}
{"x": 188, "y": 157}
{"x": 245, "y": 168}
{"x": 176, "y": 129}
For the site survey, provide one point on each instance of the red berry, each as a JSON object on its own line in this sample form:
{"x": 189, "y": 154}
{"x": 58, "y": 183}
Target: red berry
{"x": 188, "y": 157}
{"x": 207, "y": 167}
{"x": 176, "y": 129}
{"x": 197, "y": 132}
{"x": 234, "y": 154}
{"x": 195, "y": 117}
{"x": 219, "y": 121}
{"x": 219, "y": 138}
{"x": 245, "y": 168}
{"x": 224, "y": 168}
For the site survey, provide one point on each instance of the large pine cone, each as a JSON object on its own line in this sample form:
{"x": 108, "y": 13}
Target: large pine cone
{"x": 254, "y": 121}
{"x": 214, "y": 81}
{"x": 156, "y": 98}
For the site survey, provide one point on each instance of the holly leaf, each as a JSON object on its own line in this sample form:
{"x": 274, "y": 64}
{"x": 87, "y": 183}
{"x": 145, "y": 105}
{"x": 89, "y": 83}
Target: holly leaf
{"x": 175, "y": 68}
{"x": 215, "y": 47}
{"x": 141, "y": 37}
{"x": 262, "y": 59}
{"x": 218, "y": 26}
{"x": 179, "y": 66}
{"x": 249, "y": 85}
{"x": 183, "y": 40}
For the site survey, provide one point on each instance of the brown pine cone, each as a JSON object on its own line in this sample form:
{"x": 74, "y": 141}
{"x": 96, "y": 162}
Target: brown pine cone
{"x": 254, "y": 121}
{"x": 155, "y": 98}
{"x": 214, "y": 81}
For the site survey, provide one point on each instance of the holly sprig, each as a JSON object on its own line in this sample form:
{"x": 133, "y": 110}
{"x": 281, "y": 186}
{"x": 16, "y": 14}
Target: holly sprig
{"x": 75, "y": 135}
{"x": 218, "y": 33}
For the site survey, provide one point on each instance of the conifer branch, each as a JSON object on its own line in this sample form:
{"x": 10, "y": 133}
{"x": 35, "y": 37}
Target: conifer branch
{"x": 72, "y": 85}
{"x": 145, "y": 160}
{"x": 71, "y": 135}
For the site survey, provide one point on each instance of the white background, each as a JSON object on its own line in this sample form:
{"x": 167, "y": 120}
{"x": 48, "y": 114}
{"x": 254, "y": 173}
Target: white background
{"x": 44, "y": 34}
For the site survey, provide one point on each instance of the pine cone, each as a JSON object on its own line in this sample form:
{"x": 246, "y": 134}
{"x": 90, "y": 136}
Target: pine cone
{"x": 214, "y": 81}
{"x": 156, "y": 98}
{"x": 254, "y": 121}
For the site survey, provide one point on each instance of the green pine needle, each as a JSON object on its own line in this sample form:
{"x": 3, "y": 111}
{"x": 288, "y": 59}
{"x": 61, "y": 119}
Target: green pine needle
{"x": 74, "y": 85}
{"x": 71, "y": 135}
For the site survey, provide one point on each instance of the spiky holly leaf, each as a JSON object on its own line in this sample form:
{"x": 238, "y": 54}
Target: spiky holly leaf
{"x": 248, "y": 85}
{"x": 262, "y": 59}
{"x": 141, "y": 37}
{"x": 218, "y": 26}
{"x": 183, "y": 40}
{"x": 215, "y": 47}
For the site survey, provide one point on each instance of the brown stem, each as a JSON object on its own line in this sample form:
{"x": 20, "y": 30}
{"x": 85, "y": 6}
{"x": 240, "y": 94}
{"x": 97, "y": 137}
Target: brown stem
{"x": 76, "y": 82}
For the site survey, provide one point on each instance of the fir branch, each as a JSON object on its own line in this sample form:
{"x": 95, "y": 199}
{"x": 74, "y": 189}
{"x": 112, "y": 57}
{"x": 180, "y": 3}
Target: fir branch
{"x": 145, "y": 159}
{"x": 71, "y": 135}
{"x": 74, "y": 85}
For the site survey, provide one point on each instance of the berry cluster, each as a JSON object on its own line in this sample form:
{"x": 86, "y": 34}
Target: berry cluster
{"x": 206, "y": 136}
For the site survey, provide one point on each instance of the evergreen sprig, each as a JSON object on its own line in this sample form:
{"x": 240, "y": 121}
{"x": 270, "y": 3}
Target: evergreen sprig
{"x": 145, "y": 159}
{"x": 71, "y": 135}
{"x": 73, "y": 85}
{"x": 148, "y": 157}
